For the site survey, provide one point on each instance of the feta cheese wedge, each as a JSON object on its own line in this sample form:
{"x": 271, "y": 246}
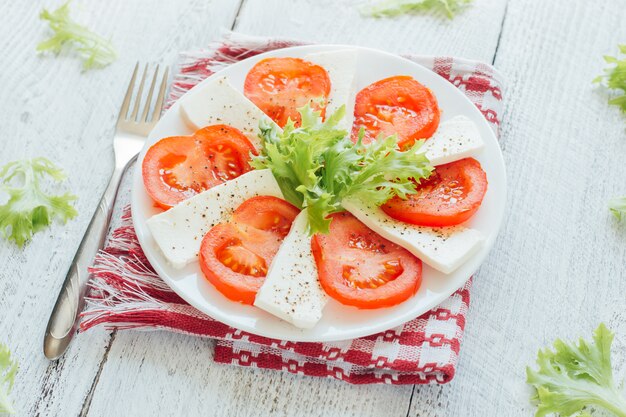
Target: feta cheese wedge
{"x": 455, "y": 139}
{"x": 341, "y": 68}
{"x": 291, "y": 290}
{"x": 219, "y": 103}
{"x": 445, "y": 249}
{"x": 179, "y": 231}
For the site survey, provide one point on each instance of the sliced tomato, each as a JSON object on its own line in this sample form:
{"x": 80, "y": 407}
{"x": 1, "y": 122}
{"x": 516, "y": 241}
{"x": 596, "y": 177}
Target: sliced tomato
{"x": 279, "y": 86}
{"x": 235, "y": 256}
{"x": 267, "y": 213}
{"x": 180, "y": 167}
{"x": 451, "y": 195}
{"x": 397, "y": 105}
{"x": 358, "y": 267}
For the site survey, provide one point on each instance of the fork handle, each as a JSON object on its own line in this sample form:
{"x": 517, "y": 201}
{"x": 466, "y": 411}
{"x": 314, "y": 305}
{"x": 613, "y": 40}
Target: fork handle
{"x": 63, "y": 321}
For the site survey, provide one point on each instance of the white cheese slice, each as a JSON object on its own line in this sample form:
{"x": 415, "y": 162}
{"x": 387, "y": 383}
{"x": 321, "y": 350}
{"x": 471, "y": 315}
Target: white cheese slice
{"x": 217, "y": 102}
{"x": 291, "y": 290}
{"x": 341, "y": 68}
{"x": 444, "y": 249}
{"x": 179, "y": 231}
{"x": 455, "y": 139}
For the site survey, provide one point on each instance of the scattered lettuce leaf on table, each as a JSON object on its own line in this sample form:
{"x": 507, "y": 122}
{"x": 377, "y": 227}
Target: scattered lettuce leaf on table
{"x": 8, "y": 370}
{"x": 614, "y": 77}
{"x": 391, "y": 8}
{"x": 29, "y": 209}
{"x": 317, "y": 165}
{"x": 574, "y": 376}
{"x": 617, "y": 206}
{"x": 94, "y": 50}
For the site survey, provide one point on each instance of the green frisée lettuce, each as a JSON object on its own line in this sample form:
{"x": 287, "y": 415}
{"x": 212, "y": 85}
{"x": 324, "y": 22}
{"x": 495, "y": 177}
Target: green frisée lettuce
{"x": 317, "y": 166}
{"x": 8, "y": 370}
{"x": 615, "y": 78}
{"x": 29, "y": 209}
{"x": 95, "y": 51}
{"x": 574, "y": 376}
{"x": 617, "y": 206}
{"x": 390, "y": 8}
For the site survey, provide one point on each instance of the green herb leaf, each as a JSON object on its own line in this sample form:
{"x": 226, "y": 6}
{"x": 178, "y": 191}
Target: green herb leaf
{"x": 95, "y": 51}
{"x": 29, "y": 209}
{"x": 614, "y": 77}
{"x": 386, "y": 171}
{"x": 575, "y": 376}
{"x": 8, "y": 370}
{"x": 617, "y": 206}
{"x": 390, "y": 8}
{"x": 317, "y": 165}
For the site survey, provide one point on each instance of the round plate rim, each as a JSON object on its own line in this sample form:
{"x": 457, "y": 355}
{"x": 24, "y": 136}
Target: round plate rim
{"x": 304, "y": 335}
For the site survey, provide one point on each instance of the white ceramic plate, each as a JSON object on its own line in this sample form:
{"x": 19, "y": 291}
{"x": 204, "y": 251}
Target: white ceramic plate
{"x": 339, "y": 322}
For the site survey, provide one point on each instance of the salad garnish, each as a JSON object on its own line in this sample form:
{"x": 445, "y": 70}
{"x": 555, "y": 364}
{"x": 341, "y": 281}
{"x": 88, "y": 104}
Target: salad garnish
{"x": 614, "y": 77}
{"x": 574, "y": 376}
{"x": 8, "y": 370}
{"x": 617, "y": 206}
{"x": 390, "y": 8}
{"x": 317, "y": 166}
{"x": 94, "y": 50}
{"x": 29, "y": 209}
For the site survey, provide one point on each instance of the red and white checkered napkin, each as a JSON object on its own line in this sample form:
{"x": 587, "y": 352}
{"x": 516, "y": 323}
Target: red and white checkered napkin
{"x": 127, "y": 293}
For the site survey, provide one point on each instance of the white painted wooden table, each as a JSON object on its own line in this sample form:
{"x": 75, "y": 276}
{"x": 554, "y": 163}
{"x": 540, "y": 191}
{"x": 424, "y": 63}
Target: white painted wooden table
{"x": 558, "y": 267}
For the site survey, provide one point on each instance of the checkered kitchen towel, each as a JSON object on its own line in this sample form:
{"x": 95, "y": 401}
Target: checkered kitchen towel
{"x": 128, "y": 294}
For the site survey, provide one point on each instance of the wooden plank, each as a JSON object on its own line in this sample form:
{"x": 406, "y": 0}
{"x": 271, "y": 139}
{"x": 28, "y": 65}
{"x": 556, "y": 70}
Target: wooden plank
{"x": 193, "y": 385}
{"x": 472, "y": 34}
{"x": 48, "y": 107}
{"x": 558, "y": 266}
{"x": 166, "y": 374}
{"x": 180, "y": 368}
{"x": 183, "y": 379}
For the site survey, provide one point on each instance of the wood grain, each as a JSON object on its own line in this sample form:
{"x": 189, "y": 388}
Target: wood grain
{"x": 472, "y": 34}
{"x": 164, "y": 374}
{"x": 50, "y": 108}
{"x": 558, "y": 268}
{"x": 273, "y": 393}
{"x": 228, "y": 389}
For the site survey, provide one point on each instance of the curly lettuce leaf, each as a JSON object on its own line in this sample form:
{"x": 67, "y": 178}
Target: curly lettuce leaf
{"x": 294, "y": 154}
{"x": 617, "y": 206}
{"x": 29, "y": 209}
{"x": 392, "y": 8}
{"x": 574, "y": 376}
{"x": 93, "y": 49}
{"x": 614, "y": 77}
{"x": 8, "y": 370}
{"x": 317, "y": 166}
{"x": 386, "y": 171}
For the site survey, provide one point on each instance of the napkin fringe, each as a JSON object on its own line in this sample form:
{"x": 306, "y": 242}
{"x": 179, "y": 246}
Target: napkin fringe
{"x": 126, "y": 293}
{"x": 121, "y": 293}
{"x": 196, "y": 65}
{"x": 124, "y": 286}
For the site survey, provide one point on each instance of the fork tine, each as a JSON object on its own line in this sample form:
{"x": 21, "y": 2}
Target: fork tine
{"x": 158, "y": 107}
{"x": 133, "y": 115}
{"x": 146, "y": 109}
{"x": 127, "y": 97}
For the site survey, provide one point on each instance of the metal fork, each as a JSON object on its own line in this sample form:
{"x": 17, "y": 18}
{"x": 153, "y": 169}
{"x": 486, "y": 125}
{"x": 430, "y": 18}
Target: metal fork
{"x": 130, "y": 134}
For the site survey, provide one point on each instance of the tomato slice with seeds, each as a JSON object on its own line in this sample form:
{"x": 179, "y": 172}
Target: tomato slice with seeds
{"x": 235, "y": 256}
{"x": 358, "y": 267}
{"x": 399, "y": 105}
{"x": 266, "y": 213}
{"x": 179, "y": 167}
{"x": 279, "y": 86}
{"x": 451, "y": 195}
